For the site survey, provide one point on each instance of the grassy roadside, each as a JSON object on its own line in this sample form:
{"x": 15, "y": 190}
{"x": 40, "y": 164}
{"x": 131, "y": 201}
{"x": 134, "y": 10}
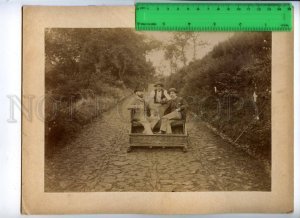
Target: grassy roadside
{"x": 66, "y": 118}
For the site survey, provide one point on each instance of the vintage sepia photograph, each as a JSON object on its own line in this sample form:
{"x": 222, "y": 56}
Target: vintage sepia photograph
{"x": 193, "y": 122}
{"x": 130, "y": 111}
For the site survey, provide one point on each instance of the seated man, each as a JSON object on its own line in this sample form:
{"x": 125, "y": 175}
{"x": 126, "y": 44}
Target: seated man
{"x": 140, "y": 107}
{"x": 158, "y": 99}
{"x": 176, "y": 111}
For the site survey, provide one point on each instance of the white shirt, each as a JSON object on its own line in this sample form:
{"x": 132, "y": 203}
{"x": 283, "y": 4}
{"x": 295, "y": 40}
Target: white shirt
{"x": 159, "y": 94}
{"x": 255, "y": 96}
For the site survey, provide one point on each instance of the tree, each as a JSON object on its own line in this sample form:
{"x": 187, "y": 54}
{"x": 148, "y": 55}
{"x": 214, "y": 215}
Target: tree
{"x": 80, "y": 59}
{"x": 172, "y": 55}
{"x": 176, "y": 50}
{"x": 197, "y": 42}
{"x": 181, "y": 41}
{"x": 222, "y": 86}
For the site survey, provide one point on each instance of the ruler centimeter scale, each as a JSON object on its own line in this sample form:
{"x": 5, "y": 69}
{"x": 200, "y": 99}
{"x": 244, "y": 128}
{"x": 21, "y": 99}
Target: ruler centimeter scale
{"x": 214, "y": 17}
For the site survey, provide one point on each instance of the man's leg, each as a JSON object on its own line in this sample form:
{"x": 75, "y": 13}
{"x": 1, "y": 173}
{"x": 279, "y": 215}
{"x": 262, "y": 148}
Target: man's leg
{"x": 169, "y": 127}
{"x": 166, "y": 123}
{"x": 153, "y": 121}
{"x": 157, "y": 111}
{"x": 154, "y": 109}
{"x": 161, "y": 109}
{"x": 147, "y": 127}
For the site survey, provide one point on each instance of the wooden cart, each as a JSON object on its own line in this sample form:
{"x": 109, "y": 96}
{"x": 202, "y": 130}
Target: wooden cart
{"x": 178, "y": 138}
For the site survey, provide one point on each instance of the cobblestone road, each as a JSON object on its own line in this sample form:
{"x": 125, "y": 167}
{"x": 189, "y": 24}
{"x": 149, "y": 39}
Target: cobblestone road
{"x": 97, "y": 160}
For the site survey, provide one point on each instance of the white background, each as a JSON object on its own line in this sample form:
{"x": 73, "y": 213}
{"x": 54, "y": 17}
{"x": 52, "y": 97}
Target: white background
{"x": 10, "y": 84}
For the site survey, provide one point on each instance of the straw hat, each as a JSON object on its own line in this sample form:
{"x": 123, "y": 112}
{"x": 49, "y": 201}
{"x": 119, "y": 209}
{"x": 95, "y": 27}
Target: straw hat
{"x": 172, "y": 90}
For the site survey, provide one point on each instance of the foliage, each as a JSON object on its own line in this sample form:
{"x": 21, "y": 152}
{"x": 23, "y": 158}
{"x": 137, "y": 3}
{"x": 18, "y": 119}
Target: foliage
{"x": 84, "y": 56}
{"x": 84, "y": 66}
{"x": 220, "y": 89}
{"x": 176, "y": 49}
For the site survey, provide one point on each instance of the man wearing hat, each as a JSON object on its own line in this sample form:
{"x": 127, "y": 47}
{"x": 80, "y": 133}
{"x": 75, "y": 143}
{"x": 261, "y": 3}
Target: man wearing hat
{"x": 159, "y": 94}
{"x": 140, "y": 108}
{"x": 158, "y": 98}
{"x": 176, "y": 111}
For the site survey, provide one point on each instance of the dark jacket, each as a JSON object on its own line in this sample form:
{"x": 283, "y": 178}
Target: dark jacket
{"x": 177, "y": 103}
{"x": 162, "y": 96}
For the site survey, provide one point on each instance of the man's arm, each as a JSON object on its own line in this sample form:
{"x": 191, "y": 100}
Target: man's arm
{"x": 183, "y": 104}
{"x": 167, "y": 95}
{"x": 134, "y": 105}
{"x": 152, "y": 94}
{"x": 151, "y": 97}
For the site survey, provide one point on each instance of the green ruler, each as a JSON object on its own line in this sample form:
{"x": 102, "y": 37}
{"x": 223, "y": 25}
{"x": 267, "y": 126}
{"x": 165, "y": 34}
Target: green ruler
{"x": 214, "y": 17}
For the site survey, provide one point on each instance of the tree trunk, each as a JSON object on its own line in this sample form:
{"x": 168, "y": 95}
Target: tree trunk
{"x": 183, "y": 56}
{"x": 122, "y": 72}
{"x": 194, "y": 39}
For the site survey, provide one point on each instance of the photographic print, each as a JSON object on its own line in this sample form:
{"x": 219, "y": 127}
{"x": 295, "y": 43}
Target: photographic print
{"x": 130, "y": 111}
{"x": 114, "y": 118}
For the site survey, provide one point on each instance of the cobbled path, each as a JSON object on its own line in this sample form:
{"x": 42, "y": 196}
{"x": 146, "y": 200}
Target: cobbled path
{"x": 97, "y": 160}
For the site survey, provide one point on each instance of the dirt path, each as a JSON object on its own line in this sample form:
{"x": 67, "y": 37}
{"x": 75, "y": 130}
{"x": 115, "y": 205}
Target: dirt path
{"x": 97, "y": 160}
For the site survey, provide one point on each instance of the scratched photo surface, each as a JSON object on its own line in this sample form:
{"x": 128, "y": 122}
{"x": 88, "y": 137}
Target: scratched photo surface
{"x": 129, "y": 111}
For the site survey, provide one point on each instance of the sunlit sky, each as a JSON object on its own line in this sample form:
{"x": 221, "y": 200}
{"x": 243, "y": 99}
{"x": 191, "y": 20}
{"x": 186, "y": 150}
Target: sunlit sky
{"x": 157, "y": 56}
